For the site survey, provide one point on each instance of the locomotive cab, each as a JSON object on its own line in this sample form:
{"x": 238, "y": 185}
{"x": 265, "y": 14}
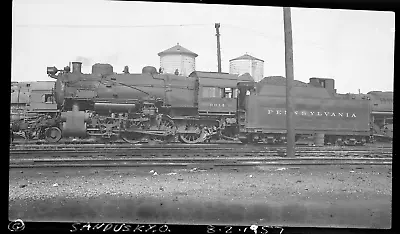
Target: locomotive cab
{"x": 245, "y": 89}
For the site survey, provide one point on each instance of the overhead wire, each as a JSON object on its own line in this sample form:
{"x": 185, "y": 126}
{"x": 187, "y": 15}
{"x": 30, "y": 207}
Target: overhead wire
{"x": 256, "y": 32}
{"x": 276, "y": 37}
{"x": 105, "y": 26}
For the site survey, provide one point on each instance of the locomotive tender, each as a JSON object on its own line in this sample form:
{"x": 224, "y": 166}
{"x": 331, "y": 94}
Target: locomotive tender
{"x": 262, "y": 110}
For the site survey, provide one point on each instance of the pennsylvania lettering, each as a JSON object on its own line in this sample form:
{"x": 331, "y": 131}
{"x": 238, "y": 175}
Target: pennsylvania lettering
{"x": 313, "y": 113}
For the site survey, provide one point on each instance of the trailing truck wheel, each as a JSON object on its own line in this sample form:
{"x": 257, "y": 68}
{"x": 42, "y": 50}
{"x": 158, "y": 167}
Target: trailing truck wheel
{"x": 191, "y": 138}
{"x": 53, "y": 134}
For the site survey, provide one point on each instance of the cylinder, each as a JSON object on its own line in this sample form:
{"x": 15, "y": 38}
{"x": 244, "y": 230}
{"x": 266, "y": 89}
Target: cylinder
{"x": 75, "y": 123}
{"x": 76, "y": 67}
{"x": 319, "y": 139}
{"x": 70, "y": 130}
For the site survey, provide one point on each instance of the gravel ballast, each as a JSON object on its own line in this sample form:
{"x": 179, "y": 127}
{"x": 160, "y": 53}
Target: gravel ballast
{"x": 338, "y": 196}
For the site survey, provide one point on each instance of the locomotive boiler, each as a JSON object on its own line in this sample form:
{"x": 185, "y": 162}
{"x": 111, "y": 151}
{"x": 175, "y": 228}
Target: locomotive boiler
{"x": 129, "y": 106}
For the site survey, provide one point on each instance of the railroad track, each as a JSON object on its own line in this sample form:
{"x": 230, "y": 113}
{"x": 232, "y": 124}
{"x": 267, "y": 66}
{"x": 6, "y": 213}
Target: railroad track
{"x": 126, "y": 155}
{"x": 187, "y": 156}
{"x": 204, "y": 161}
{"x": 192, "y": 151}
{"x": 186, "y": 146}
{"x": 156, "y": 144}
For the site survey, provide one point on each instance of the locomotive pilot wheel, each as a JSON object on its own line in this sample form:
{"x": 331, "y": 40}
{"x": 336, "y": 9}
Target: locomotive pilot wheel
{"x": 53, "y": 134}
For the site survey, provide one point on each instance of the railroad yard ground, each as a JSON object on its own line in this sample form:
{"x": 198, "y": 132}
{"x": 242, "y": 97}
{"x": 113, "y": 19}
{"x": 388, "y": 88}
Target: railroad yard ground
{"x": 327, "y": 196}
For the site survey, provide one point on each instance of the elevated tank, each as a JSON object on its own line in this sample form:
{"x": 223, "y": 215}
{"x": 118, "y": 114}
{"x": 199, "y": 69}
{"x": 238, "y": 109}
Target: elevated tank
{"x": 247, "y": 64}
{"x": 178, "y": 58}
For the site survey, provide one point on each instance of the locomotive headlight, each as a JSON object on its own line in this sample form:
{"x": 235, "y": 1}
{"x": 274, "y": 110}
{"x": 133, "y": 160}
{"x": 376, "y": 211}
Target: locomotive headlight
{"x": 51, "y": 70}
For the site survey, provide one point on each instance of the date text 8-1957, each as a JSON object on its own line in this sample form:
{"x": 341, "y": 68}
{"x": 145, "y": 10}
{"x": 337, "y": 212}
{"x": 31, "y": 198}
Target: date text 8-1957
{"x": 241, "y": 229}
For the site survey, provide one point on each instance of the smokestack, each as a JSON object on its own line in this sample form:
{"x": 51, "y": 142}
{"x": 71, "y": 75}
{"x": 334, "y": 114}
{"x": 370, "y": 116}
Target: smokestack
{"x": 76, "y": 67}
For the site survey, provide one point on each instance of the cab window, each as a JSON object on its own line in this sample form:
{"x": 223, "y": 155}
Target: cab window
{"x": 227, "y": 92}
{"x": 47, "y": 98}
{"x": 212, "y": 92}
{"x": 216, "y": 92}
{"x": 230, "y": 92}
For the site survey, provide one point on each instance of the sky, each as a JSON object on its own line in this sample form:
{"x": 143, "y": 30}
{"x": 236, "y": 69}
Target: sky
{"x": 356, "y": 48}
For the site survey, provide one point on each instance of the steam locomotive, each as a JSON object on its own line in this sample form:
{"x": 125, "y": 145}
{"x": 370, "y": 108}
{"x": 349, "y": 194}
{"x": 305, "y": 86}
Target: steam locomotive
{"x": 128, "y": 106}
{"x": 194, "y": 109}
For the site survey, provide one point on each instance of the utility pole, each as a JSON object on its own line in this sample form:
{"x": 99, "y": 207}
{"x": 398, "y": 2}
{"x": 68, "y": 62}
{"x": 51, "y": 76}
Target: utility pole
{"x": 217, "y": 25}
{"x": 289, "y": 81}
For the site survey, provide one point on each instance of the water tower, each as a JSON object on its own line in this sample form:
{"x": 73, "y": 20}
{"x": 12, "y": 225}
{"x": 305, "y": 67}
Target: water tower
{"x": 178, "y": 58}
{"x": 247, "y": 64}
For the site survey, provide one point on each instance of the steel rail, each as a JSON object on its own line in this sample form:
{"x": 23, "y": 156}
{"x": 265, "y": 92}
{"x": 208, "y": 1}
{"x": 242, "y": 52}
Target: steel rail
{"x": 211, "y": 150}
{"x": 169, "y": 155}
{"x": 144, "y": 145}
{"x": 162, "y": 145}
{"x": 208, "y": 147}
{"x": 179, "y": 162}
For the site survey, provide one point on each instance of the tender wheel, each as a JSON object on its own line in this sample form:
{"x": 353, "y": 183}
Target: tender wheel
{"x": 53, "y": 134}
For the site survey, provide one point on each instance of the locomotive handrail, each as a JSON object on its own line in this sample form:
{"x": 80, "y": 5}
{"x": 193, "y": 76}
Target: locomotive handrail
{"x": 130, "y": 86}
